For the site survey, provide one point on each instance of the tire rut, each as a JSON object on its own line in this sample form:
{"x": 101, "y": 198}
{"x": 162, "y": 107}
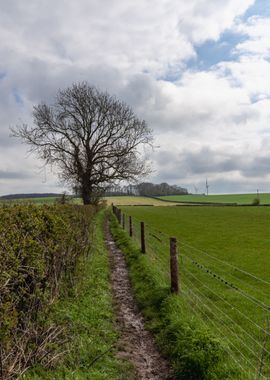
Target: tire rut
{"x": 136, "y": 343}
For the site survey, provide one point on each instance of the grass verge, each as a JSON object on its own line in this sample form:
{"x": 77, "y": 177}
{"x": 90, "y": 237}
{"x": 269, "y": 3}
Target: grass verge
{"x": 194, "y": 352}
{"x": 87, "y": 312}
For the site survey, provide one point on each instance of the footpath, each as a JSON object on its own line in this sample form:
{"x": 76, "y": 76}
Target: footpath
{"x": 136, "y": 344}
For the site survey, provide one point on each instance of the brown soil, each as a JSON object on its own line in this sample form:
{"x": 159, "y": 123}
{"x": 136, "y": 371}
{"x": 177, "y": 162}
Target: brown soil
{"x": 136, "y": 343}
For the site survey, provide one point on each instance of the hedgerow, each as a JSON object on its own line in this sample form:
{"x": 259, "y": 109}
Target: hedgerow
{"x": 39, "y": 250}
{"x": 91, "y": 346}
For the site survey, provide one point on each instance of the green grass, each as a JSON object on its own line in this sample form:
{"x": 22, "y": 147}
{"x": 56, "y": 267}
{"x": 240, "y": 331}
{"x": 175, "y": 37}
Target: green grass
{"x": 195, "y": 353}
{"x": 223, "y": 198}
{"x": 236, "y": 235}
{"x": 41, "y": 200}
{"x": 217, "y": 241}
{"x": 88, "y": 314}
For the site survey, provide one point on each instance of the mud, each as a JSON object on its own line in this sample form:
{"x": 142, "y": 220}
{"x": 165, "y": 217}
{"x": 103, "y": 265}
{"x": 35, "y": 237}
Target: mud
{"x": 136, "y": 343}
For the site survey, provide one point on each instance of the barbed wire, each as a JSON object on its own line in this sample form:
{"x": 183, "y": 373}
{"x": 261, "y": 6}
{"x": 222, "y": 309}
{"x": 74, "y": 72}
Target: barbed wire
{"x": 206, "y": 269}
{"x": 157, "y": 242}
{"x": 182, "y": 242}
{"x": 239, "y": 327}
{"x": 220, "y": 332}
{"x": 225, "y": 263}
{"x": 259, "y": 303}
{"x": 230, "y": 353}
{"x": 227, "y": 303}
{"x": 215, "y": 265}
{"x": 235, "y": 347}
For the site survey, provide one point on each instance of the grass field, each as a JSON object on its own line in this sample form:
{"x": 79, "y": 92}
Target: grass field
{"x": 224, "y": 198}
{"x": 224, "y": 271}
{"x": 41, "y": 200}
{"x": 174, "y": 199}
{"x": 132, "y": 200}
{"x": 122, "y": 200}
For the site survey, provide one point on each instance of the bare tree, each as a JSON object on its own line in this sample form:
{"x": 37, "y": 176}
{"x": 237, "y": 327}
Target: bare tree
{"x": 91, "y": 137}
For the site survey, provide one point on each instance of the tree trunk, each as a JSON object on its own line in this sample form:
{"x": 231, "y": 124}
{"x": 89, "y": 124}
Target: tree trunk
{"x": 86, "y": 200}
{"x": 86, "y": 196}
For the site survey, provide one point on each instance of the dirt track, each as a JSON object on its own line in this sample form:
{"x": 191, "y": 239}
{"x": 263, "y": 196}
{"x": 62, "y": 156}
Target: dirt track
{"x": 136, "y": 344}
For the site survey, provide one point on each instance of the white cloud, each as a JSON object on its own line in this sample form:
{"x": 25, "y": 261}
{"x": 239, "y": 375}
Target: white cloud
{"x": 132, "y": 36}
{"x": 257, "y": 29}
{"x": 207, "y": 19}
{"x": 131, "y": 49}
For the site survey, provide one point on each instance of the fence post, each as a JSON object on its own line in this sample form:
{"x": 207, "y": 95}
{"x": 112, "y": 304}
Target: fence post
{"x": 130, "y": 227}
{"x": 119, "y": 215}
{"x": 174, "y": 266}
{"x": 123, "y": 221}
{"x": 142, "y": 238}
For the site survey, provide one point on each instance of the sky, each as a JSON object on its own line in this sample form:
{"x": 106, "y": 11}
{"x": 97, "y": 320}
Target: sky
{"x": 197, "y": 71}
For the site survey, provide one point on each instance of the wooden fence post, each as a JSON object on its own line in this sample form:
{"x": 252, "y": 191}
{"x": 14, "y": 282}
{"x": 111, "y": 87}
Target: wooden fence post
{"x": 123, "y": 221}
{"x": 142, "y": 238}
{"x": 174, "y": 266}
{"x": 130, "y": 227}
{"x": 120, "y": 216}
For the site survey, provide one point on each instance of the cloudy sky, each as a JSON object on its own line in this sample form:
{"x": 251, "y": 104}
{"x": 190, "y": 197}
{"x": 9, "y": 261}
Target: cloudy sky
{"x": 197, "y": 71}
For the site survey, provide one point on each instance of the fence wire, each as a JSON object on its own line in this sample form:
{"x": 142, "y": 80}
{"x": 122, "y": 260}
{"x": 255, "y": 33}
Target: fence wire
{"x": 226, "y": 299}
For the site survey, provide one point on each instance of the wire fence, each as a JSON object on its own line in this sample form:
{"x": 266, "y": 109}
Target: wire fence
{"x": 229, "y": 301}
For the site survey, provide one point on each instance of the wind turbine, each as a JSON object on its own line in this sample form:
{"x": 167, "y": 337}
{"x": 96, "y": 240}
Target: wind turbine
{"x": 207, "y": 186}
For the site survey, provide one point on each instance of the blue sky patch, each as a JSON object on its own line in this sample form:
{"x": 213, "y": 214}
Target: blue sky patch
{"x": 260, "y": 8}
{"x": 212, "y": 52}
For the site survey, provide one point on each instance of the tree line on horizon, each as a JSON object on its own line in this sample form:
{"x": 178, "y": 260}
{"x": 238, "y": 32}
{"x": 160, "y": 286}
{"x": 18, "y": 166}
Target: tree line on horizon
{"x": 142, "y": 189}
{"x": 147, "y": 189}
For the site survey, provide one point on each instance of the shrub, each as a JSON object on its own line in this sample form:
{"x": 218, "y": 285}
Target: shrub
{"x": 39, "y": 249}
{"x": 256, "y": 201}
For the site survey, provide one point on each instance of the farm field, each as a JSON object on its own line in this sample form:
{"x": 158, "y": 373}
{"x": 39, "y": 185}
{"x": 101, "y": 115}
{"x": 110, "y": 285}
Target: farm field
{"x": 222, "y": 198}
{"x": 41, "y": 200}
{"x": 135, "y": 200}
{"x": 121, "y": 200}
{"x": 224, "y": 269}
{"x": 159, "y": 201}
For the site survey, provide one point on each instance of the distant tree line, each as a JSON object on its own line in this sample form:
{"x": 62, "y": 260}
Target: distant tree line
{"x": 151, "y": 189}
{"x": 31, "y": 195}
{"x": 147, "y": 189}
{"x": 144, "y": 189}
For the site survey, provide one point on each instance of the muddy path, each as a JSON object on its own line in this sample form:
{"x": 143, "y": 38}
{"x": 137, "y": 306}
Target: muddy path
{"x": 136, "y": 343}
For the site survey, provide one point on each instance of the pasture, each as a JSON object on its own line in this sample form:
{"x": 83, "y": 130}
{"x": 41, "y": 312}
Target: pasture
{"x": 224, "y": 267}
{"x": 219, "y": 198}
{"x": 27, "y": 201}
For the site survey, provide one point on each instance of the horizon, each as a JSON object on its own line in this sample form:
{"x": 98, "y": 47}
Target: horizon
{"x": 195, "y": 194}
